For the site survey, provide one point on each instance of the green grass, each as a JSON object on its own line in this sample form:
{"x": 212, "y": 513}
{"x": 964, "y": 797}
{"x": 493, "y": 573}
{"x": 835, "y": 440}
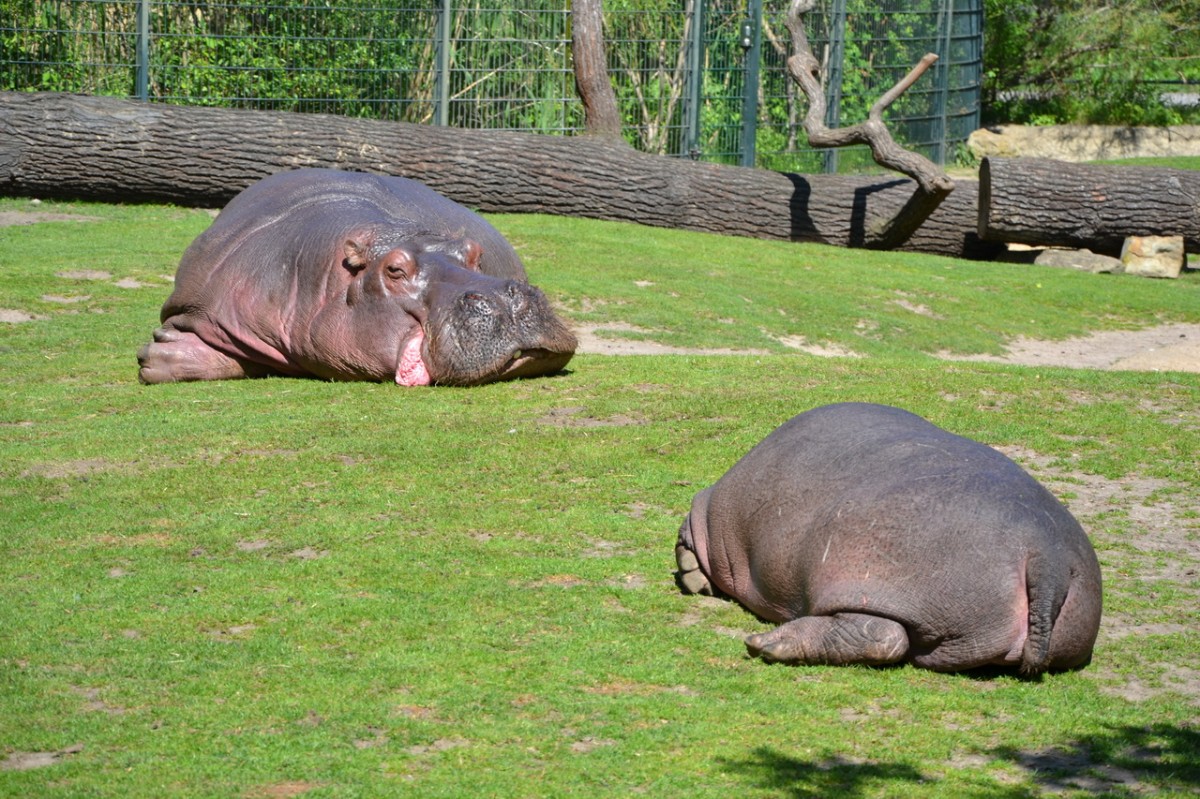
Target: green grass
{"x": 1166, "y": 162}
{"x": 285, "y": 587}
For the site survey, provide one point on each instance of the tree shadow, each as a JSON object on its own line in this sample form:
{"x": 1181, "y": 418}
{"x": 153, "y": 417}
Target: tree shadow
{"x": 859, "y": 213}
{"x": 1163, "y": 755}
{"x": 802, "y": 226}
{"x": 805, "y": 228}
{"x": 1119, "y": 760}
{"x": 774, "y": 771}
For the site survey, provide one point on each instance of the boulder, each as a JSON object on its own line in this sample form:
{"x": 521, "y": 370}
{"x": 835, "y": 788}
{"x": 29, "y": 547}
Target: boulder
{"x": 1084, "y": 260}
{"x": 1153, "y": 256}
{"x": 1084, "y": 142}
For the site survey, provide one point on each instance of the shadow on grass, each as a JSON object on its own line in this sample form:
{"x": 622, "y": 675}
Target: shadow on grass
{"x": 1120, "y": 760}
{"x": 832, "y": 776}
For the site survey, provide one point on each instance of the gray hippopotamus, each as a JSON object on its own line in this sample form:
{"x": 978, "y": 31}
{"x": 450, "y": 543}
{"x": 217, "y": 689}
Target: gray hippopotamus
{"x": 348, "y": 276}
{"x": 872, "y": 536}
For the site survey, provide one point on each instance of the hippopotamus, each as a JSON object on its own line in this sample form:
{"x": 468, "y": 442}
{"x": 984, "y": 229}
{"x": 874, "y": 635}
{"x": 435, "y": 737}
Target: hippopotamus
{"x": 871, "y": 536}
{"x": 350, "y": 276}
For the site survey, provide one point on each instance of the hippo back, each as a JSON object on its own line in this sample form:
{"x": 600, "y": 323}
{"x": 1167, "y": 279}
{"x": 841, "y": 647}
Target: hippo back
{"x": 289, "y": 214}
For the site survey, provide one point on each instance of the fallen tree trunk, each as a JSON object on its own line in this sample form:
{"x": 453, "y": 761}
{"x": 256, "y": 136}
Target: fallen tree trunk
{"x": 72, "y": 146}
{"x": 1042, "y": 201}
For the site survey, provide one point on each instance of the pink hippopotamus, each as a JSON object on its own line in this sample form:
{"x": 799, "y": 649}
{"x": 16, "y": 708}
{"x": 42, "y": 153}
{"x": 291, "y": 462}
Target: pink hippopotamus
{"x": 349, "y": 276}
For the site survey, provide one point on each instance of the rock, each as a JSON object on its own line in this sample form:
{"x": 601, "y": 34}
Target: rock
{"x": 1084, "y": 142}
{"x": 1153, "y": 256}
{"x": 1084, "y": 260}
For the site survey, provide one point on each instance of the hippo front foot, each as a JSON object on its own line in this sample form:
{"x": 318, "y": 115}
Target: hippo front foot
{"x": 689, "y": 577}
{"x": 837, "y": 640}
{"x": 177, "y": 356}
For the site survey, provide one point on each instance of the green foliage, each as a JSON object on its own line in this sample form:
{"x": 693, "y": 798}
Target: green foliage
{"x": 1082, "y": 61}
{"x": 291, "y": 587}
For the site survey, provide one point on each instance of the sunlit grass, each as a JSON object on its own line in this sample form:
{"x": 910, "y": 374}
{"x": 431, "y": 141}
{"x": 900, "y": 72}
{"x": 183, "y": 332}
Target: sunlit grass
{"x": 290, "y": 587}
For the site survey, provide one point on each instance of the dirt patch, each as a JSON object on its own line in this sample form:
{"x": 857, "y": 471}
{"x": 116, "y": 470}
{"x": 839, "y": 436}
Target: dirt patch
{"x": 820, "y": 350}
{"x": 440, "y": 745}
{"x": 84, "y": 274}
{"x": 23, "y": 761}
{"x": 14, "y": 317}
{"x": 60, "y": 470}
{"x": 592, "y": 341}
{"x": 11, "y": 218}
{"x": 1173, "y": 347}
{"x": 574, "y": 416}
{"x": 281, "y": 790}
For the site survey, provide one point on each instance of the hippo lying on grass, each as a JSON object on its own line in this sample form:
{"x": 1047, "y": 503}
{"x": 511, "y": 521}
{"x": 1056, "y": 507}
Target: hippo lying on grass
{"x": 348, "y": 276}
{"x": 872, "y": 536}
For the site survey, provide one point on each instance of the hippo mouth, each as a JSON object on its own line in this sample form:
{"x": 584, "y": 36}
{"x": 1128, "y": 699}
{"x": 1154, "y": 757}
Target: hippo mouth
{"x": 533, "y": 362}
{"x": 413, "y": 369}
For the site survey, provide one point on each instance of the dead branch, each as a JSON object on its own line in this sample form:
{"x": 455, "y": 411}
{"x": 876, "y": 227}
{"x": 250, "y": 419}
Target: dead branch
{"x": 933, "y": 184}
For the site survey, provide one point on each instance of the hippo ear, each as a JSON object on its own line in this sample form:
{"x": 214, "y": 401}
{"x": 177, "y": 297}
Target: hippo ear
{"x": 467, "y": 252}
{"x": 356, "y": 255}
{"x": 472, "y": 254}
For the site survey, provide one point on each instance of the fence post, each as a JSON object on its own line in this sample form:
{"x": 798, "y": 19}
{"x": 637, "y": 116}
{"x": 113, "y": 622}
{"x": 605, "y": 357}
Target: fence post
{"x": 142, "y": 75}
{"x": 751, "y": 42}
{"x": 694, "y": 83}
{"x": 441, "y": 93}
{"x": 833, "y": 92}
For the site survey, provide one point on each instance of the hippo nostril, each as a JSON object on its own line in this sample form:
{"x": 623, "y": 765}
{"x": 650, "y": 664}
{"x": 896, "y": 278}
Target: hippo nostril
{"x": 477, "y": 303}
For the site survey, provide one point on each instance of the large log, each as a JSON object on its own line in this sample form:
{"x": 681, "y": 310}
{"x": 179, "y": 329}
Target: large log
{"x": 1042, "y": 201}
{"x": 73, "y": 146}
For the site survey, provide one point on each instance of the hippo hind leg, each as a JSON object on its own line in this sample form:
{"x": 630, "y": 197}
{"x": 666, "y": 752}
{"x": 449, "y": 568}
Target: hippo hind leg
{"x": 176, "y": 355}
{"x": 836, "y": 640}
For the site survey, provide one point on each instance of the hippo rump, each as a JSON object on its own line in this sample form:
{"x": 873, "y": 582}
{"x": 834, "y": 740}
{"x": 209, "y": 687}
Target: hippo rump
{"x": 349, "y": 276}
{"x": 871, "y": 536}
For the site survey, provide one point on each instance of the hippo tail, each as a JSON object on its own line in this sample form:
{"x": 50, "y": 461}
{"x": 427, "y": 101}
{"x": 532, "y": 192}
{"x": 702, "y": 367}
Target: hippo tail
{"x": 1047, "y": 582}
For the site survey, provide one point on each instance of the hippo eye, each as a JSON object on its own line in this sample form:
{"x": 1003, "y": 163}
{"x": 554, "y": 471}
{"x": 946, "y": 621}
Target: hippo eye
{"x": 400, "y": 267}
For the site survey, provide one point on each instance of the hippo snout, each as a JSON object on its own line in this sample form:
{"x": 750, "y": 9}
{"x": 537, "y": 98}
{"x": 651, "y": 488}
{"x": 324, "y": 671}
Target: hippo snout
{"x": 487, "y": 335}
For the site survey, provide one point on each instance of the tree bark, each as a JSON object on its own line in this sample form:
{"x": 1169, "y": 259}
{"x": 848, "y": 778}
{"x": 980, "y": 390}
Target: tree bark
{"x": 1042, "y": 201}
{"x": 99, "y": 148}
{"x": 600, "y": 113}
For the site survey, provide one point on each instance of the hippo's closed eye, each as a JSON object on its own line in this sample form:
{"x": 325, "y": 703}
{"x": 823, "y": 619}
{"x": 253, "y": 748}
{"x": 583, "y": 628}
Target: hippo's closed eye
{"x": 400, "y": 265}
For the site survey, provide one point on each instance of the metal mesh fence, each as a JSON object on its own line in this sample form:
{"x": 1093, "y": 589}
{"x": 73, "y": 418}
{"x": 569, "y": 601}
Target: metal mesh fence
{"x": 681, "y": 68}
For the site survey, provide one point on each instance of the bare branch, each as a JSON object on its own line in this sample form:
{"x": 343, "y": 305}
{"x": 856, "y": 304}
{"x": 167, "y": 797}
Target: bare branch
{"x": 933, "y": 184}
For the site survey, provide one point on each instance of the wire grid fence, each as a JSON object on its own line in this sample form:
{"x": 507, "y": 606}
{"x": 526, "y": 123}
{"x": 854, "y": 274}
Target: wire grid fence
{"x": 697, "y": 78}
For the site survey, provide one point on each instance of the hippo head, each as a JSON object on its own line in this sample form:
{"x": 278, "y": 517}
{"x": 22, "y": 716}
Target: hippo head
{"x": 463, "y": 327}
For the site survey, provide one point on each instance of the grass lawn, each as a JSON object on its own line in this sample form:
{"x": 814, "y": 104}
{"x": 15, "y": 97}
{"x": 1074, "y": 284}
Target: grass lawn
{"x": 285, "y": 587}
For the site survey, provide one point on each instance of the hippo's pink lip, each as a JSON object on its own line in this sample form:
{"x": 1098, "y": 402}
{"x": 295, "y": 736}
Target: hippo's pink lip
{"x": 411, "y": 371}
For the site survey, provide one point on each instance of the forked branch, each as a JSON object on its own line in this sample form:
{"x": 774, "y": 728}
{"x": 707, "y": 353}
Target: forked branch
{"x": 933, "y": 184}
